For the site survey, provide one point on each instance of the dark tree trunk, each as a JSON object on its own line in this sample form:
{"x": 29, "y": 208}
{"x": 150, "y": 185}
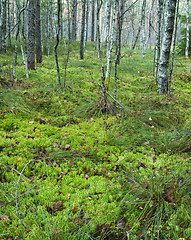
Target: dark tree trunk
{"x": 74, "y": 19}
{"x": 56, "y": 45}
{"x": 120, "y": 17}
{"x": 31, "y": 35}
{"x": 93, "y": 21}
{"x": 38, "y": 34}
{"x": 82, "y": 29}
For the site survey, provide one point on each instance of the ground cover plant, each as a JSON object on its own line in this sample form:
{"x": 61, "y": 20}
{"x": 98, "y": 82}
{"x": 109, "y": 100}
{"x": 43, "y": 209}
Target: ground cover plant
{"x": 68, "y": 171}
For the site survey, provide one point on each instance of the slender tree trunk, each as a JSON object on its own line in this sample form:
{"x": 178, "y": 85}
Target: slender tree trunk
{"x": 61, "y": 20}
{"x": 158, "y": 37}
{"x": 38, "y": 33}
{"x": 31, "y": 35}
{"x": 57, "y": 43}
{"x": 82, "y": 29}
{"x": 49, "y": 27}
{"x": 3, "y": 25}
{"x": 187, "y": 29}
{"x": 120, "y": 18}
{"x": 9, "y": 23}
{"x": 68, "y": 16}
{"x": 87, "y": 20}
{"x": 110, "y": 41}
{"x": 74, "y": 19}
{"x": 166, "y": 45}
{"x": 104, "y": 107}
{"x": 143, "y": 37}
{"x": 93, "y": 21}
{"x": 173, "y": 49}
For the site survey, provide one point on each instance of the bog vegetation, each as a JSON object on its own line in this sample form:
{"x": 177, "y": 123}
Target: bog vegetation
{"x": 68, "y": 171}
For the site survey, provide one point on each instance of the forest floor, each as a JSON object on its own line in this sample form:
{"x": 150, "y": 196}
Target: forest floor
{"x": 68, "y": 171}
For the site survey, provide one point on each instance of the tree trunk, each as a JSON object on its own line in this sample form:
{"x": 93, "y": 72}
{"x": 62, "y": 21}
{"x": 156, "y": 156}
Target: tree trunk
{"x": 158, "y": 36}
{"x": 61, "y": 20}
{"x": 87, "y": 20}
{"x": 68, "y": 16}
{"x": 9, "y": 23}
{"x": 31, "y": 35}
{"x": 82, "y": 29}
{"x": 173, "y": 48}
{"x": 110, "y": 41}
{"x": 93, "y": 21}
{"x": 187, "y": 29}
{"x": 3, "y": 24}
{"x": 104, "y": 107}
{"x": 143, "y": 37}
{"x": 120, "y": 18}
{"x": 56, "y": 45}
{"x": 38, "y": 33}
{"x": 74, "y": 19}
{"x": 166, "y": 45}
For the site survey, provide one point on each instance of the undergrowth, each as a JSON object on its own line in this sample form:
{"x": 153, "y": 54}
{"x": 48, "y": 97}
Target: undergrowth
{"x": 68, "y": 171}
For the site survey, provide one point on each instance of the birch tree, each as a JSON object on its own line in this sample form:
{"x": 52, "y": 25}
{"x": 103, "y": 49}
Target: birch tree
{"x": 143, "y": 37}
{"x": 166, "y": 45}
{"x": 31, "y": 35}
{"x": 109, "y": 40}
{"x": 3, "y": 24}
{"x": 158, "y": 36}
{"x": 104, "y": 107}
{"x": 187, "y": 28}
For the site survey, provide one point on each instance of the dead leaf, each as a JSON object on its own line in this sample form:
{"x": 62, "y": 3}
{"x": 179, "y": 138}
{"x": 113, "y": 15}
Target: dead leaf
{"x": 19, "y": 159}
{"x": 4, "y": 217}
{"x": 75, "y": 209}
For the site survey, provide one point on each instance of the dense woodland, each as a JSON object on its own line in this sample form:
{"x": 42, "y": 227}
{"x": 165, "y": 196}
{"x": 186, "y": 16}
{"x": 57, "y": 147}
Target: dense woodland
{"x": 95, "y": 119}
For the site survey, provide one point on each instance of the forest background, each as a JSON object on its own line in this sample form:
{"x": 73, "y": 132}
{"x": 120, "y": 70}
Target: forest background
{"x": 95, "y": 119}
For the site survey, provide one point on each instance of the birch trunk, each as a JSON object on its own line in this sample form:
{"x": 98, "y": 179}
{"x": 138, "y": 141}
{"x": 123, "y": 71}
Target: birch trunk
{"x": 158, "y": 37}
{"x": 104, "y": 107}
{"x": 187, "y": 29}
{"x": 31, "y": 35}
{"x": 68, "y": 16}
{"x": 166, "y": 45}
{"x": 3, "y": 25}
{"x": 143, "y": 37}
{"x": 110, "y": 41}
{"x": 93, "y": 21}
{"x": 9, "y": 23}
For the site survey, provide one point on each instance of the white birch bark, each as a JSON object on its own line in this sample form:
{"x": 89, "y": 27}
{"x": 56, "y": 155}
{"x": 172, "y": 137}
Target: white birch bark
{"x": 110, "y": 41}
{"x": 3, "y": 25}
{"x": 187, "y": 28}
{"x": 166, "y": 45}
{"x": 143, "y": 37}
{"x": 158, "y": 36}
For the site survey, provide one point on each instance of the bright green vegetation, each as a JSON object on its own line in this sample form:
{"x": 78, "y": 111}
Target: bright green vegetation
{"x": 79, "y": 174}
